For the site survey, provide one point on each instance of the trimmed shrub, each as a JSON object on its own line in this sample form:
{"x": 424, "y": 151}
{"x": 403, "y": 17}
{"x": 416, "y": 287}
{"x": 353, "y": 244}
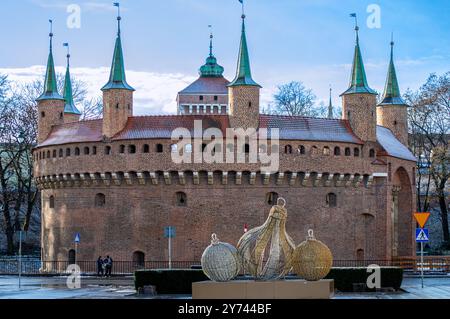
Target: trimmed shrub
{"x": 176, "y": 281}
{"x": 344, "y": 278}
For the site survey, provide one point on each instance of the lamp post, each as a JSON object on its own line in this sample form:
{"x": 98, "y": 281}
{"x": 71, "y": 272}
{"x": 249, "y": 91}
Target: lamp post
{"x": 20, "y": 140}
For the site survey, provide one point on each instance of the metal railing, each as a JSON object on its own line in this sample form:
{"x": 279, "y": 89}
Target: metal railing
{"x": 30, "y": 266}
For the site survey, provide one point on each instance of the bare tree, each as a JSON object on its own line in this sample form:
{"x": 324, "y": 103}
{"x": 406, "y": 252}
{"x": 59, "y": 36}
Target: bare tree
{"x": 429, "y": 119}
{"x": 294, "y": 99}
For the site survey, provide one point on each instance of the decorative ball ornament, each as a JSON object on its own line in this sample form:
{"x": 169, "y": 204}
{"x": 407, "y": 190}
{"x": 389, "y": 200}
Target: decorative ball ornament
{"x": 220, "y": 261}
{"x": 312, "y": 259}
{"x": 266, "y": 251}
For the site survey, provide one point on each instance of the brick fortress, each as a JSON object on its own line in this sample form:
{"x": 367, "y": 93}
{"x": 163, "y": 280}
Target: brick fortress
{"x": 112, "y": 180}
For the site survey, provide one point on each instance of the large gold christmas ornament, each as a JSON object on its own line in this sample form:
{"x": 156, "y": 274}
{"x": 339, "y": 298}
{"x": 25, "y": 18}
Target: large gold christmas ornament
{"x": 266, "y": 251}
{"x": 220, "y": 261}
{"x": 312, "y": 259}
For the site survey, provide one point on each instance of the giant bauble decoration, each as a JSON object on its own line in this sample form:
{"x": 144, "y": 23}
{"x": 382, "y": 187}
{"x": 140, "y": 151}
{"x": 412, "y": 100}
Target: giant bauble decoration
{"x": 312, "y": 259}
{"x": 266, "y": 251}
{"x": 220, "y": 261}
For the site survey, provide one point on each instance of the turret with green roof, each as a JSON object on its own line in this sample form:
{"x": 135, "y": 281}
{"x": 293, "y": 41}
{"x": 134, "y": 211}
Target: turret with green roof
{"x": 70, "y": 110}
{"x": 359, "y": 100}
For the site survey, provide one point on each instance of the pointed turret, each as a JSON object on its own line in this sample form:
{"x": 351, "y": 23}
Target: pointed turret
{"x": 50, "y": 104}
{"x": 392, "y": 111}
{"x": 358, "y": 79}
{"x": 243, "y": 91}
{"x": 359, "y": 100}
{"x": 117, "y": 78}
{"x": 243, "y": 71}
{"x": 330, "y": 107}
{"x": 71, "y": 113}
{"x": 391, "y": 95}
{"x": 117, "y": 93}
{"x": 50, "y": 84}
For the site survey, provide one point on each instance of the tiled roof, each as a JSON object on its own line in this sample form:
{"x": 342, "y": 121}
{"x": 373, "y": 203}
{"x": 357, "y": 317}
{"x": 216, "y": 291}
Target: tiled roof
{"x": 310, "y": 129}
{"x": 392, "y": 146}
{"x": 207, "y": 85}
{"x": 75, "y": 132}
{"x": 290, "y": 128}
{"x": 162, "y": 126}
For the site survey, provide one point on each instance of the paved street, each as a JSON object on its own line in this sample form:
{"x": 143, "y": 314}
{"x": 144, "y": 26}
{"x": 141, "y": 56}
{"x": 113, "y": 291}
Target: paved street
{"x": 122, "y": 287}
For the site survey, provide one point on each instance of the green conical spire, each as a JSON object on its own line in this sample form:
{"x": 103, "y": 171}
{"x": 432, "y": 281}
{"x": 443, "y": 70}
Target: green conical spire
{"x": 358, "y": 80}
{"x": 243, "y": 72}
{"x": 117, "y": 79}
{"x": 50, "y": 85}
{"x": 69, "y": 107}
{"x": 211, "y": 68}
{"x": 391, "y": 93}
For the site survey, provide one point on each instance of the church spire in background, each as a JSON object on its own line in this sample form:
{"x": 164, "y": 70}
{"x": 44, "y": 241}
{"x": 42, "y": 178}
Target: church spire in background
{"x": 330, "y": 107}
{"x": 69, "y": 106}
{"x": 211, "y": 68}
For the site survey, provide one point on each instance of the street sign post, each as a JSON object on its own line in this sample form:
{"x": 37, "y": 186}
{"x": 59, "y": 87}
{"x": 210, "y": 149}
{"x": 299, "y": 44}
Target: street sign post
{"x": 421, "y": 235}
{"x": 169, "y": 232}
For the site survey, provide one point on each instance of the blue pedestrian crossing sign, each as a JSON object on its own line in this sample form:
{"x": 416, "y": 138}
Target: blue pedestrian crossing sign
{"x": 422, "y": 235}
{"x": 169, "y": 232}
{"x": 77, "y": 238}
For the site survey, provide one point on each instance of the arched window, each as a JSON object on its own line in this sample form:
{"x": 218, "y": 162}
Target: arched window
{"x": 48, "y": 154}
{"x": 100, "y": 200}
{"x": 132, "y": 149}
{"x": 146, "y": 148}
{"x": 77, "y": 151}
{"x": 94, "y": 150}
{"x": 174, "y": 148}
{"x": 67, "y": 152}
{"x": 51, "y": 202}
{"x": 122, "y": 149}
{"x": 138, "y": 259}
{"x": 54, "y": 153}
{"x": 159, "y": 148}
{"x": 314, "y": 150}
{"x": 107, "y": 150}
{"x": 372, "y": 153}
{"x": 42, "y": 114}
{"x": 288, "y": 149}
{"x": 271, "y": 198}
{"x": 246, "y": 148}
{"x": 347, "y": 151}
{"x": 301, "y": 150}
{"x": 72, "y": 257}
{"x": 86, "y": 150}
{"x": 326, "y": 150}
{"x": 181, "y": 199}
{"x": 337, "y": 151}
{"x": 61, "y": 152}
{"x": 331, "y": 200}
{"x": 356, "y": 152}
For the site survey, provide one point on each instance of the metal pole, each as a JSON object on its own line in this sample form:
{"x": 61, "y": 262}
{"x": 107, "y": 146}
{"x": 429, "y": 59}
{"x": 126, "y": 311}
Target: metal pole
{"x": 20, "y": 258}
{"x": 421, "y": 261}
{"x": 170, "y": 249}
{"x": 76, "y": 252}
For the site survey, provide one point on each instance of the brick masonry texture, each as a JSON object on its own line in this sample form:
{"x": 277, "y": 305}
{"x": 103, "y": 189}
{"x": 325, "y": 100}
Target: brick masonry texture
{"x": 395, "y": 118}
{"x": 50, "y": 113}
{"x": 372, "y": 218}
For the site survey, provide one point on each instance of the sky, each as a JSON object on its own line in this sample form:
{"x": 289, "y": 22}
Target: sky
{"x": 166, "y": 41}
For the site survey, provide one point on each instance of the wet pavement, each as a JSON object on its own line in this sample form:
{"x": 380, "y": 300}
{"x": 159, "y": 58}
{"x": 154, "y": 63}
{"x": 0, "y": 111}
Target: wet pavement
{"x": 123, "y": 288}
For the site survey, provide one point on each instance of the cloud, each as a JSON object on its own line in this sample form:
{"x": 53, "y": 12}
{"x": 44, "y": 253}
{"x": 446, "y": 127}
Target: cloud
{"x": 155, "y": 92}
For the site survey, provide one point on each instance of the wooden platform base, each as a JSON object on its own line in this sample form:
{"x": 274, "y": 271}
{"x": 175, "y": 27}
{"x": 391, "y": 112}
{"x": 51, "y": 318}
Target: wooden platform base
{"x": 249, "y": 289}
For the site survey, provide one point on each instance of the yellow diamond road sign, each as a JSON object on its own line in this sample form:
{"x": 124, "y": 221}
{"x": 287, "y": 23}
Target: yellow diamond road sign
{"x": 421, "y": 218}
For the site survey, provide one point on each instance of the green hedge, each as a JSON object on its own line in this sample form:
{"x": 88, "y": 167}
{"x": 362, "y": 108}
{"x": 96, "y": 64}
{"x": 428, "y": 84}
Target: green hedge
{"x": 176, "y": 281}
{"x": 344, "y": 278}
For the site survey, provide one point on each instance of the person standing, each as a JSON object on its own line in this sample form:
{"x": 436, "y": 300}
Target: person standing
{"x": 108, "y": 262}
{"x": 100, "y": 271}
